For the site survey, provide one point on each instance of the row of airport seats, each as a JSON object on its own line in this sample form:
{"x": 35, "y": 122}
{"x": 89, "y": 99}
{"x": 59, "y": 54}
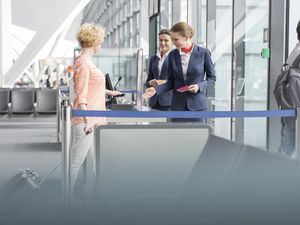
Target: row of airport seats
{"x": 28, "y": 100}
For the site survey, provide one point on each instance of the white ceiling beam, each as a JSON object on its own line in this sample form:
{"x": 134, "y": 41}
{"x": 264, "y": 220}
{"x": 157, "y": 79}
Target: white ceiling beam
{"x": 52, "y": 28}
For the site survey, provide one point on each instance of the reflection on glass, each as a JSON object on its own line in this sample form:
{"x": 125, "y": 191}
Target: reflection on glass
{"x": 219, "y": 42}
{"x": 180, "y": 9}
{"x": 251, "y": 21}
{"x": 123, "y": 66}
{"x": 201, "y": 22}
{"x": 166, "y": 14}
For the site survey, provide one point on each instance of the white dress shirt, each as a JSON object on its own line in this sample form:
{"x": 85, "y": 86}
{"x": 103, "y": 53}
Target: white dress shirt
{"x": 185, "y": 60}
{"x": 161, "y": 61}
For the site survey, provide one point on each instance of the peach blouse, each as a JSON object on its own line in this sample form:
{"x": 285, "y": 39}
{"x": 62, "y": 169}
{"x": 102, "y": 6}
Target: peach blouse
{"x": 89, "y": 87}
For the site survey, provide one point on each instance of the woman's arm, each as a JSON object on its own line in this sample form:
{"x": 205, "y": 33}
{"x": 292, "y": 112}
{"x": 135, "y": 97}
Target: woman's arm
{"x": 209, "y": 69}
{"x": 88, "y": 128}
{"x": 150, "y": 74}
{"x": 81, "y": 81}
{"x": 169, "y": 83}
{"x": 112, "y": 93}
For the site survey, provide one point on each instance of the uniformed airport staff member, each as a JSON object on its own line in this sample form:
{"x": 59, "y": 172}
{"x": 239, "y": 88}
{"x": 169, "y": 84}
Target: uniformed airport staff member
{"x": 158, "y": 72}
{"x": 191, "y": 72}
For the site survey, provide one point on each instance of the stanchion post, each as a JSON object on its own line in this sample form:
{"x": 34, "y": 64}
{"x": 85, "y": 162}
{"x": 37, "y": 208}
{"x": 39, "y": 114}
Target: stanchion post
{"x": 58, "y": 114}
{"x": 66, "y": 143}
{"x": 297, "y": 134}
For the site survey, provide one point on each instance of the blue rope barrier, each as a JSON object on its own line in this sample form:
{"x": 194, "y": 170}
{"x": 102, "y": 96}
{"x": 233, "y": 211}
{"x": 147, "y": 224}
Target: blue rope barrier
{"x": 184, "y": 114}
{"x": 128, "y": 91}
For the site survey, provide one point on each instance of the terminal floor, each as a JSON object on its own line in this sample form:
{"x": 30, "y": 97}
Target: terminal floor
{"x": 28, "y": 143}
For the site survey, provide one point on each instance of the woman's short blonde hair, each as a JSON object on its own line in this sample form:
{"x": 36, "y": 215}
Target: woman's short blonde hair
{"x": 90, "y": 35}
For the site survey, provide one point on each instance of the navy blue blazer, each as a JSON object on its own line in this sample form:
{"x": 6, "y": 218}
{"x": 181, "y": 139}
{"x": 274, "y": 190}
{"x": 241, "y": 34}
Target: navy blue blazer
{"x": 165, "y": 98}
{"x": 200, "y": 71}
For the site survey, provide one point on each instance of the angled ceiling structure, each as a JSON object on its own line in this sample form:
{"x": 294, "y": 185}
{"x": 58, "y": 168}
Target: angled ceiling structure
{"x": 48, "y": 22}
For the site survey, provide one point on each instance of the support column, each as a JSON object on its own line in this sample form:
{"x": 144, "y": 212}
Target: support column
{"x": 211, "y": 25}
{"x": 278, "y": 48}
{"x": 153, "y": 36}
{"x": 6, "y": 60}
{"x": 36, "y": 73}
{"x": 239, "y": 63}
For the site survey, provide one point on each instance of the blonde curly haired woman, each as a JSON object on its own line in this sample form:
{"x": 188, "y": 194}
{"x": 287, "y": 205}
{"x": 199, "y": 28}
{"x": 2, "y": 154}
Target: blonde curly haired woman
{"x": 89, "y": 88}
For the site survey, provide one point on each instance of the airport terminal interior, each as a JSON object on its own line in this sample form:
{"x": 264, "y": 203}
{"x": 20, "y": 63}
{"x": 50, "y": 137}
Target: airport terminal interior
{"x": 249, "y": 41}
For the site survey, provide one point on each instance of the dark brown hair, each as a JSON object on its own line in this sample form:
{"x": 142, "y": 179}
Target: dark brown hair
{"x": 184, "y": 29}
{"x": 165, "y": 31}
{"x": 298, "y": 30}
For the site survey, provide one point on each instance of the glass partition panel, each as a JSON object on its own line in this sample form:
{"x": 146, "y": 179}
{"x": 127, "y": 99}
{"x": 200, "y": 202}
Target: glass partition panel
{"x": 219, "y": 42}
{"x": 180, "y": 10}
{"x": 201, "y": 21}
{"x": 123, "y": 66}
{"x": 166, "y": 14}
{"x": 250, "y": 69}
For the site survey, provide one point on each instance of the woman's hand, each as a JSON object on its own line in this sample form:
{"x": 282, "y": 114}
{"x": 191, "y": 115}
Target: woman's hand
{"x": 155, "y": 83}
{"x": 114, "y": 93}
{"x": 160, "y": 82}
{"x": 193, "y": 88}
{"x": 88, "y": 128}
{"x": 149, "y": 92}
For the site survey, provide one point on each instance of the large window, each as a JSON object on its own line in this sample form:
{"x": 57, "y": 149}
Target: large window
{"x": 201, "y": 21}
{"x": 294, "y": 19}
{"x": 180, "y": 10}
{"x": 219, "y": 42}
{"x": 235, "y": 31}
{"x": 250, "y": 30}
{"x": 121, "y": 20}
{"x": 191, "y": 11}
{"x": 166, "y": 14}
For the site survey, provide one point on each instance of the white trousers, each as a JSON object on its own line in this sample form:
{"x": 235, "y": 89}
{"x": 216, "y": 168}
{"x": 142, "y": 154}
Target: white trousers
{"x": 81, "y": 147}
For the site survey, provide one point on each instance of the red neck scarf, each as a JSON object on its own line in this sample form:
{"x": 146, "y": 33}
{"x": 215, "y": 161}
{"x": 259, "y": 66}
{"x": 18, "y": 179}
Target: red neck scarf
{"x": 187, "y": 50}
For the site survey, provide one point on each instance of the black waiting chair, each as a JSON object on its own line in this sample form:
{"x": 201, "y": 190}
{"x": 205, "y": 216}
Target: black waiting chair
{"x": 22, "y": 100}
{"x": 4, "y": 100}
{"x": 46, "y": 101}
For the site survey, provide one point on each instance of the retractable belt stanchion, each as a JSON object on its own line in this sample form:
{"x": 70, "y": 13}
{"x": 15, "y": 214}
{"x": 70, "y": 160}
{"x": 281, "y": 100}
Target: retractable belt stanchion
{"x": 58, "y": 114}
{"x": 297, "y": 133}
{"x": 66, "y": 143}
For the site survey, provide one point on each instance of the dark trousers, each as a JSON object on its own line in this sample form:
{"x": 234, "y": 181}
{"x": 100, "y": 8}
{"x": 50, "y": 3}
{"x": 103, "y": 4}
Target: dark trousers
{"x": 186, "y": 120}
{"x": 287, "y": 145}
{"x": 161, "y": 107}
